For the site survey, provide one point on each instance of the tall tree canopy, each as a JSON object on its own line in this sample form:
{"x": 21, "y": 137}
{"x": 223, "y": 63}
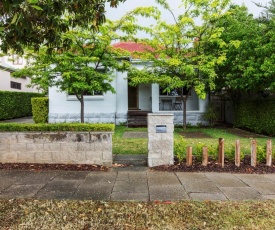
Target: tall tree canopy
{"x": 178, "y": 50}
{"x": 34, "y": 23}
{"x": 250, "y": 67}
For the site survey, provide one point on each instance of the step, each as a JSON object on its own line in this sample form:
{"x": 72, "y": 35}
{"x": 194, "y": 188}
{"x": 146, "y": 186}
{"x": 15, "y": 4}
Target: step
{"x": 131, "y": 159}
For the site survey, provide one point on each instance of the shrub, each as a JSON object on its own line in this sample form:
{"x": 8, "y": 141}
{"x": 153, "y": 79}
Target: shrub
{"x": 16, "y": 104}
{"x": 57, "y": 127}
{"x": 257, "y": 115}
{"x": 261, "y": 154}
{"x": 230, "y": 153}
{"x": 180, "y": 149}
{"x": 40, "y": 109}
{"x": 211, "y": 114}
{"x": 199, "y": 148}
{"x": 213, "y": 151}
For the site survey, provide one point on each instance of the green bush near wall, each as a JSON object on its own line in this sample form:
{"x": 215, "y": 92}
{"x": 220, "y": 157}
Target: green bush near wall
{"x": 56, "y": 127}
{"x": 40, "y": 109}
{"x": 258, "y": 116}
{"x": 16, "y": 104}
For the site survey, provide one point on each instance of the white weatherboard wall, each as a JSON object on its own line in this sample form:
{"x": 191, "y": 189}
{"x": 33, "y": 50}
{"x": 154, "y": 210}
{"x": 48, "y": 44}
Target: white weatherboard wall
{"x": 106, "y": 108}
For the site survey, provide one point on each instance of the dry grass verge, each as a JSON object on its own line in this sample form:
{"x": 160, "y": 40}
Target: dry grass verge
{"x": 54, "y": 214}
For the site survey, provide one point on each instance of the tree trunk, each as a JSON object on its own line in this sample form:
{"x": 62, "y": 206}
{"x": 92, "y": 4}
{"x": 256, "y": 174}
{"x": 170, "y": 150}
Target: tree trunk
{"x": 82, "y": 109}
{"x": 184, "y": 116}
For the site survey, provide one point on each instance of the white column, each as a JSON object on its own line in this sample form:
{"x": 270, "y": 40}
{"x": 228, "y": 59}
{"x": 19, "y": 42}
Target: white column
{"x": 155, "y": 98}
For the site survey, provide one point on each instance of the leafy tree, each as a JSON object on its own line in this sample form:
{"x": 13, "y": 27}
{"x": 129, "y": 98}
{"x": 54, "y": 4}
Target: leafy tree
{"x": 85, "y": 68}
{"x": 250, "y": 67}
{"x": 34, "y": 23}
{"x": 178, "y": 50}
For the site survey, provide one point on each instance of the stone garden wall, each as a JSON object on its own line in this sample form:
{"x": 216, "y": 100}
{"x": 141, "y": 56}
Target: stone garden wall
{"x": 56, "y": 148}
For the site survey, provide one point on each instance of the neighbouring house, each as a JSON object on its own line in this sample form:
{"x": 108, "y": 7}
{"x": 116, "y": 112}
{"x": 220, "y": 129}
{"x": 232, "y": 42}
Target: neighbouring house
{"x": 9, "y": 83}
{"x": 129, "y": 105}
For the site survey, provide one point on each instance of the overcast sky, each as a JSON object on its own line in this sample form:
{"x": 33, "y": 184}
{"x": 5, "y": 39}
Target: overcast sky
{"x": 114, "y": 14}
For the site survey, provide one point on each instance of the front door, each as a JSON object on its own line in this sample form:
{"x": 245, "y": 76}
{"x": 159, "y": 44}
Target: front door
{"x": 132, "y": 97}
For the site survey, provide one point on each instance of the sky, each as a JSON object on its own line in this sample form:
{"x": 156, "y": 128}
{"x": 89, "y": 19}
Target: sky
{"x": 128, "y": 5}
{"x": 115, "y": 14}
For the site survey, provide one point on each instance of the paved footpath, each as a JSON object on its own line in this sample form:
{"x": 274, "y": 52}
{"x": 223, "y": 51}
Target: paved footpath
{"x": 135, "y": 183}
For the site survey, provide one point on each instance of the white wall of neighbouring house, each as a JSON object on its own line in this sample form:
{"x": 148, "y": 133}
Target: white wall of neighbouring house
{"x": 5, "y": 82}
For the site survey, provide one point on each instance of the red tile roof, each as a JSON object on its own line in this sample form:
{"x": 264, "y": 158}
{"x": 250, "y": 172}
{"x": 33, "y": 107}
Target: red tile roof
{"x": 132, "y": 46}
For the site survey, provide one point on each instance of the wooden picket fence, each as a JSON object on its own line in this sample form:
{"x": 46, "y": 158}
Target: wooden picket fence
{"x": 189, "y": 155}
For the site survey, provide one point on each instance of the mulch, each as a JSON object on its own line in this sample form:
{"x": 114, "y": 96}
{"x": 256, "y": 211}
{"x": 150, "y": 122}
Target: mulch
{"x": 51, "y": 167}
{"x": 213, "y": 166}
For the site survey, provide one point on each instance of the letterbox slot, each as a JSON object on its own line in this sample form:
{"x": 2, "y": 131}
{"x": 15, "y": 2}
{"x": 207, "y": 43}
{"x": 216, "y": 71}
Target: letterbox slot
{"x": 161, "y": 129}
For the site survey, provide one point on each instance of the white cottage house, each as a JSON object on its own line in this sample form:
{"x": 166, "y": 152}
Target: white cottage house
{"x": 129, "y": 105}
{"x": 9, "y": 64}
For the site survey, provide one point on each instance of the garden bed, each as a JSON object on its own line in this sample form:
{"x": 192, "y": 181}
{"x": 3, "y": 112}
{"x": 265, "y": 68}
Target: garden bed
{"x": 213, "y": 166}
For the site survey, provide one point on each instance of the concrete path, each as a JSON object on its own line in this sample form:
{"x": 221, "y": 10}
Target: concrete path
{"x": 135, "y": 183}
{"x": 19, "y": 120}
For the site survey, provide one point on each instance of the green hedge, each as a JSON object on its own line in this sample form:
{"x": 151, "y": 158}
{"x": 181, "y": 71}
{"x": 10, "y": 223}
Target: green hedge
{"x": 17, "y": 127}
{"x": 16, "y": 104}
{"x": 40, "y": 109}
{"x": 258, "y": 116}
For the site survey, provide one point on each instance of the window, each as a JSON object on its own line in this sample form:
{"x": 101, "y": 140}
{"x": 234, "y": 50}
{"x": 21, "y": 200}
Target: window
{"x": 15, "y": 85}
{"x": 174, "y": 92}
{"x": 93, "y": 96}
{"x": 93, "y": 93}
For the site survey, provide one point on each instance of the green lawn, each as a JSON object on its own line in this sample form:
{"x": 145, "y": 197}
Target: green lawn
{"x": 139, "y": 146}
{"x": 72, "y": 214}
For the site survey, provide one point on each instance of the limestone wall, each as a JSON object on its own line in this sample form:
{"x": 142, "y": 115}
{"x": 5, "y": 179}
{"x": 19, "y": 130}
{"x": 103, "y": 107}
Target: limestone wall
{"x": 53, "y": 147}
{"x": 160, "y": 145}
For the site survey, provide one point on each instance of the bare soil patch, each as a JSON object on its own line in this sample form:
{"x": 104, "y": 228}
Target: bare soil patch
{"x": 195, "y": 135}
{"x": 213, "y": 166}
{"x": 244, "y": 133}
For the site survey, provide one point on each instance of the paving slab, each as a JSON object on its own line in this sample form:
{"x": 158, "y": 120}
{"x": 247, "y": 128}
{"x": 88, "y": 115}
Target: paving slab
{"x": 270, "y": 177}
{"x": 185, "y": 176}
{"x": 42, "y": 177}
{"x": 267, "y": 188}
{"x": 94, "y": 192}
{"x": 269, "y": 197}
{"x": 167, "y": 193}
{"x": 61, "y": 186}
{"x": 225, "y": 180}
{"x": 55, "y": 195}
{"x": 241, "y": 193}
{"x": 124, "y": 196}
{"x": 100, "y": 177}
{"x": 131, "y": 187}
{"x": 131, "y": 176}
{"x": 21, "y": 191}
{"x": 252, "y": 178}
{"x": 207, "y": 196}
{"x": 200, "y": 187}
{"x": 71, "y": 175}
{"x": 162, "y": 178}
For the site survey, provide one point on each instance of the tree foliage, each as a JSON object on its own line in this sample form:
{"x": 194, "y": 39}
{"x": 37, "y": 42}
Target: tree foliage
{"x": 87, "y": 67}
{"x": 178, "y": 50}
{"x": 34, "y": 23}
{"x": 250, "y": 66}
